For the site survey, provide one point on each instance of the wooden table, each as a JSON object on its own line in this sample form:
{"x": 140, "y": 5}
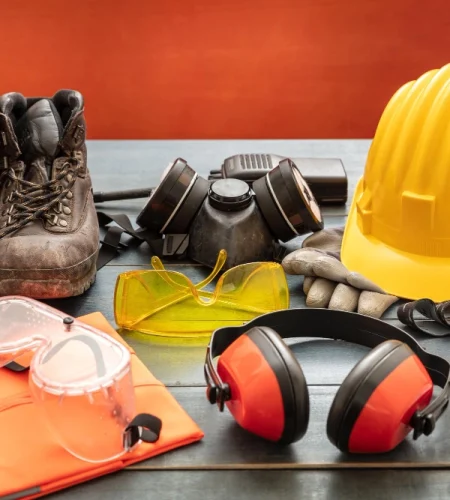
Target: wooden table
{"x": 229, "y": 463}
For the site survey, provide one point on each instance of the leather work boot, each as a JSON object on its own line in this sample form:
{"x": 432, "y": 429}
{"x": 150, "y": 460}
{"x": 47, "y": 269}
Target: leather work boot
{"x": 49, "y": 233}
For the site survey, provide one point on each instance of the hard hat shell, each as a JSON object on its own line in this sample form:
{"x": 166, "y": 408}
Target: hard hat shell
{"x": 398, "y": 228}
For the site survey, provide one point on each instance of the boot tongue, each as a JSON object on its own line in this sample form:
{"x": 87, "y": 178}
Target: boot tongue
{"x": 39, "y": 131}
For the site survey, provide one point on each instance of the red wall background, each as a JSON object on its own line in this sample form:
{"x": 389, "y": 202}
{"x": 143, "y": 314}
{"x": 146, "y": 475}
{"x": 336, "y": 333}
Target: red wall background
{"x": 223, "y": 68}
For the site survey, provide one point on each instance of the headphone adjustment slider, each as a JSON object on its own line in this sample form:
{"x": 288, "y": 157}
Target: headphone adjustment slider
{"x": 218, "y": 395}
{"x": 426, "y": 423}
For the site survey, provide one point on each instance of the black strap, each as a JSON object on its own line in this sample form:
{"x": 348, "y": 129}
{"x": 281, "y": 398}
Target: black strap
{"x": 279, "y": 252}
{"x": 111, "y": 243}
{"x": 172, "y": 245}
{"x": 144, "y": 427}
{"x": 437, "y": 316}
{"x": 15, "y": 367}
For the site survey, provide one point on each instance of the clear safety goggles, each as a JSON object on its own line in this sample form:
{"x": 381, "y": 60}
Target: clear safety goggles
{"x": 79, "y": 377}
{"x": 167, "y": 303}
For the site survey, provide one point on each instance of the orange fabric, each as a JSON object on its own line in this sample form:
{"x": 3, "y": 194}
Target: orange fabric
{"x": 224, "y": 68}
{"x": 29, "y": 454}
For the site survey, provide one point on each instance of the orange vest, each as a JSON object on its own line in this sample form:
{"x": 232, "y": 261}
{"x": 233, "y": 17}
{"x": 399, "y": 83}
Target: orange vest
{"x": 33, "y": 464}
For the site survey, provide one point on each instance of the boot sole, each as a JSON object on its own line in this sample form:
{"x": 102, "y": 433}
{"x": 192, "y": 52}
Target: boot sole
{"x": 49, "y": 288}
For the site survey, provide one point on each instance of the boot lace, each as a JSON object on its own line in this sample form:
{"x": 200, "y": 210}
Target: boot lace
{"x": 31, "y": 201}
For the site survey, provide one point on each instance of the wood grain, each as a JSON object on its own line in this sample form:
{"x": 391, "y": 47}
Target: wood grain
{"x": 227, "y": 445}
{"x": 264, "y": 485}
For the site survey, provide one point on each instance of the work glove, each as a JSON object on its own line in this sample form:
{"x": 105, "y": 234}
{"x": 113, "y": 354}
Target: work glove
{"x": 328, "y": 283}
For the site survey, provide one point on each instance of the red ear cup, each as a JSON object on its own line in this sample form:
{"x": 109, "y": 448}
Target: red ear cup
{"x": 269, "y": 396}
{"x": 374, "y": 405}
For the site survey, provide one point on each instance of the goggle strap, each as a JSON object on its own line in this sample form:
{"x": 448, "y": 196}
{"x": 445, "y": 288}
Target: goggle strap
{"x": 144, "y": 427}
{"x": 16, "y": 367}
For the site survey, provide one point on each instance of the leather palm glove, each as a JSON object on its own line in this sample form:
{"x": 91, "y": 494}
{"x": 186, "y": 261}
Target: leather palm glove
{"x": 328, "y": 283}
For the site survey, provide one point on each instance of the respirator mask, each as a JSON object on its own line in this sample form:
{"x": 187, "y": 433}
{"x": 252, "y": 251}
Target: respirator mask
{"x": 197, "y": 218}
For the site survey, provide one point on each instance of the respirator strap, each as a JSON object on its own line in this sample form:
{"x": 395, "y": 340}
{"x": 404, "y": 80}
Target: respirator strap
{"x": 111, "y": 243}
{"x": 172, "y": 245}
{"x": 279, "y": 252}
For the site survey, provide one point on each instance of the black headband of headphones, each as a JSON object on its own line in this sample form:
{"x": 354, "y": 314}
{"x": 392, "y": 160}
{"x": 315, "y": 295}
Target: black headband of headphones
{"x": 338, "y": 325}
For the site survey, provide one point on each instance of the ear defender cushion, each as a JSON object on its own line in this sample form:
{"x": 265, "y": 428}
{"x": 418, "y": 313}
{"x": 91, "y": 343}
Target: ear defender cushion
{"x": 269, "y": 395}
{"x": 372, "y": 408}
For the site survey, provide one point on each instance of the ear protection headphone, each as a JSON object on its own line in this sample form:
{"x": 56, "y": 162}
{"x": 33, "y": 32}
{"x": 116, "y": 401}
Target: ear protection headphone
{"x": 384, "y": 397}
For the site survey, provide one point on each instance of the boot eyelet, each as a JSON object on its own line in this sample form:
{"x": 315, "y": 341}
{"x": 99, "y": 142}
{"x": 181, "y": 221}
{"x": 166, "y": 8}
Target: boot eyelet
{"x": 62, "y": 222}
{"x": 67, "y": 210}
{"x": 53, "y": 221}
{"x": 69, "y": 195}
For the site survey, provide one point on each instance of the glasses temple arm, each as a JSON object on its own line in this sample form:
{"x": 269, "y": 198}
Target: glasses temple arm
{"x": 221, "y": 258}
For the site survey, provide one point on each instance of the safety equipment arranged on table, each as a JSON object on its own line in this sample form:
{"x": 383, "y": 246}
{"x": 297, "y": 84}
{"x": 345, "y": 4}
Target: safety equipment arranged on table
{"x": 166, "y": 303}
{"x": 426, "y": 316}
{"x": 325, "y": 176}
{"x": 188, "y": 216}
{"x": 328, "y": 283}
{"x": 397, "y": 233}
{"x": 80, "y": 379}
{"x": 34, "y": 463}
{"x": 385, "y": 396}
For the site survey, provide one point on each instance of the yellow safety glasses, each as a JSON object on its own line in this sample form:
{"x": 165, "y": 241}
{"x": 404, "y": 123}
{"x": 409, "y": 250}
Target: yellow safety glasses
{"x": 166, "y": 303}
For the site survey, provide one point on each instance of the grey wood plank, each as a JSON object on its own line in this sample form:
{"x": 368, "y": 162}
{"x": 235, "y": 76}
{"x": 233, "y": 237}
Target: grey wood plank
{"x": 136, "y": 164}
{"x": 264, "y": 485}
{"x": 227, "y": 445}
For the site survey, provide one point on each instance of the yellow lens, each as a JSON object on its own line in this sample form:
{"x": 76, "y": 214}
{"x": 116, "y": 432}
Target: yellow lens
{"x": 166, "y": 303}
{"x": 253, "y": 289}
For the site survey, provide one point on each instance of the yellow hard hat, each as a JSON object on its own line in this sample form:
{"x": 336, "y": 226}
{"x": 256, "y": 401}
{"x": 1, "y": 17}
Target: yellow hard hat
{"x": 398, "y": 229}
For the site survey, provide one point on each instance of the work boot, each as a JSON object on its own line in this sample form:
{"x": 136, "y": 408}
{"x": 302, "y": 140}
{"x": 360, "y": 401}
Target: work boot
{"x": 49, "y": 234}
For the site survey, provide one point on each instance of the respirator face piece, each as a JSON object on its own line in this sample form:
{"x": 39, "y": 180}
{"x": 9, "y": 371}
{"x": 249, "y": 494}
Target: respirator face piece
{"x": 282, "y": 195}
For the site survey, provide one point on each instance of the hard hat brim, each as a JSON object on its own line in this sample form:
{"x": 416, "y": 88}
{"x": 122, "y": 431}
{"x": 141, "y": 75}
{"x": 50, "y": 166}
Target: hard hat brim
{"x": 403, "y": 274}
